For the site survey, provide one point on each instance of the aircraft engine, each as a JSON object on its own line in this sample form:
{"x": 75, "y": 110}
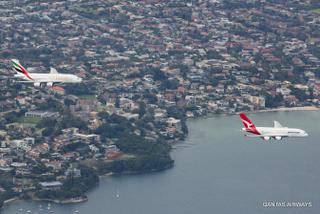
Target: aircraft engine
{"x": 50, "y": 84}
{"x": 266, "y": 138}
{"x": 37, "y": 84}
{"x": 278, "y": 138}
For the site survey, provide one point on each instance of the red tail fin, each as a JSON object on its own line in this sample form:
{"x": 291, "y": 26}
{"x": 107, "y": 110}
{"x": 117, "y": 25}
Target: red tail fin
{"x": 250, "y": 127}
{"x": 245, "y": 120}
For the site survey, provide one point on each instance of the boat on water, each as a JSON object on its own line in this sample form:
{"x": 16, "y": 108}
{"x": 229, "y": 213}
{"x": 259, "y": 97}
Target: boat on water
{"x": 117, "y": 194}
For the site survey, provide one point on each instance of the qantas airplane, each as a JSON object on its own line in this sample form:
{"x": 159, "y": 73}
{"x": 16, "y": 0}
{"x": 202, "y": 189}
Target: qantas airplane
{"x": 43, "y": 78}
{"x": 276, "y": 132}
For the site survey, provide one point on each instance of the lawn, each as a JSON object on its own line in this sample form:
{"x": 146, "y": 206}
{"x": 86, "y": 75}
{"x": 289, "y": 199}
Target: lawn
{"x": 316, "y": 10}
{"x": 87, "y": 97}
{"x": 33, "y": 120}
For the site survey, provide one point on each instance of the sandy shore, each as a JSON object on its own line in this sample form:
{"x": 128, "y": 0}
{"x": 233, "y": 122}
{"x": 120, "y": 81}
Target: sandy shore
{"x": 11, "y": 200}
{"x": 304, "y": 108}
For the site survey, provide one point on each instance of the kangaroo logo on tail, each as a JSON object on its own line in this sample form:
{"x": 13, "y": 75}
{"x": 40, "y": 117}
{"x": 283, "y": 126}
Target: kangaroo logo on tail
{"x": 250, "y": 127}
{"x": 19, "y": 68}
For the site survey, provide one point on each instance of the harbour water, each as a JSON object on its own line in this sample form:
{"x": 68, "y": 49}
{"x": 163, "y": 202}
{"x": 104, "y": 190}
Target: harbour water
{"x": 217, "y": 170}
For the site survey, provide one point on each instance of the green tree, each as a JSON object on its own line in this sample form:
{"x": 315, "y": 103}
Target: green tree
{"x": 273, "y": 102}
{"x": 142, "y": 109}
{"x": 47, "y": 122}
{"x": 159, "y": 75}
{"x": 300, "y": 94}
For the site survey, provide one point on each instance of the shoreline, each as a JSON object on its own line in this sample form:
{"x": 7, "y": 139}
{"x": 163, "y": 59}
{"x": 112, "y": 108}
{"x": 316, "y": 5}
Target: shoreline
{"x": 76, "y": 200}
{"x": 284, "y": 109}
{"x": 111, "y": 174}
{"x": 11, "y": 200}
{"x": 279, "y": 109}
{"x": 80, "y": 199}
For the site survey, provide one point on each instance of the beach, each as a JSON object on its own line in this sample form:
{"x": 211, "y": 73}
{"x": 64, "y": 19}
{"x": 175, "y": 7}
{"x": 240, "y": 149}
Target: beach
{"x": 302, "y": 108}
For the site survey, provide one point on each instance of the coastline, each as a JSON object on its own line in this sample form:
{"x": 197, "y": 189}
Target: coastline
{"x": 279, "y": 109}
{"x": 283, "y": 109}
{"x": 102, "y": 176}
{"x": 11, "y": 200}
{"x": 77, "y": 200}
{"x": 64, "y": 201}
{"x": 83, "y": 198}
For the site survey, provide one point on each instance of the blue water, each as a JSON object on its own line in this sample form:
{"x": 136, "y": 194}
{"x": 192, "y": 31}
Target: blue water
{"x": 217, "y": 170}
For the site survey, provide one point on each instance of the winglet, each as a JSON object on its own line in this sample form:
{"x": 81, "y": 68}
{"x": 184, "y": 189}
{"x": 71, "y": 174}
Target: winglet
{"x": 19, "y": 68}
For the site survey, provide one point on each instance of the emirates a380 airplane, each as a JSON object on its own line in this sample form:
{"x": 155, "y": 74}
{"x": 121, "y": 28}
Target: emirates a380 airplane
{"x": 277, "y": 132}
{"x": 43, "y": 78}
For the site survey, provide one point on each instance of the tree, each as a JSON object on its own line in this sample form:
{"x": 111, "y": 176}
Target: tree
{"x": 47, "y": 132}
{"x": 52, "y": 105}
{"x": 148, "y": 156}
{"x": 11, "y": 117}
{"x": 273, "y": 102}
{"x": 176, "y": 112}
{"x": 170, "y": 84}
{"x": 81, "y": 89}
{"x": 69, "y": 121}
{"x": 214, "y": 82}
{"x": 152, "y": 98}
{"x": 47, "y": 122}
{"x": 103, "y": 115}
{"x": 300, "y": 94}
{"x": 69, "y": 102}
{"x": 184, "y": 70}
{"x": 142, "y": 109}
{"x": 159, "y": 75}
{"x": 212, "y": 54}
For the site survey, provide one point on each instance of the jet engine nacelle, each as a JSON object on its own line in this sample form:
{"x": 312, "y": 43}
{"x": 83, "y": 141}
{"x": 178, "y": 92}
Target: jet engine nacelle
{"x": 37, "y": 84}
{"x": 266, "y": 138}
{"x": 278, "y": 138}
{"x": 50, "y": 84}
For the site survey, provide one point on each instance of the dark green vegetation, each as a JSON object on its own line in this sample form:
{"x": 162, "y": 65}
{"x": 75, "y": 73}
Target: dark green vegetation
{"x": 273, "y": 102}
{"x": 6, "y": 183}
{"x": 148, "y": 156}
{"x": 73, "y": 187}
{"x": 141, "y": 155}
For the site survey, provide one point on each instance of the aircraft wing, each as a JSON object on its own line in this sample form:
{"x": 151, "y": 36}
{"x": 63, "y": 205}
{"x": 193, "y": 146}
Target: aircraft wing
{"x": 266, "y": 135}
{"x": 24, "y": 81}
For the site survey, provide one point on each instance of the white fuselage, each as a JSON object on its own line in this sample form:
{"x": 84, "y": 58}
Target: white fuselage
{"x": 279, "y": 132}
{"x": 50, "y": 78}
